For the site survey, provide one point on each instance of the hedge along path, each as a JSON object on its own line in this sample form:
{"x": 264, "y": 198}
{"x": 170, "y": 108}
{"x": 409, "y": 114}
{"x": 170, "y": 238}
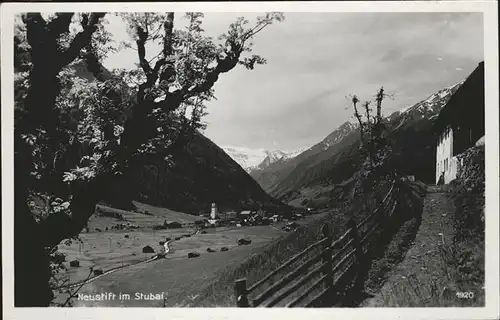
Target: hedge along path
{"x": 91, "y": 279}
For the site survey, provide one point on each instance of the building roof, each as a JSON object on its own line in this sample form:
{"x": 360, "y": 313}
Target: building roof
{"x": 465, "y": 112}
{"x": 467, "y": 100}
{"x": 245, "y": 212}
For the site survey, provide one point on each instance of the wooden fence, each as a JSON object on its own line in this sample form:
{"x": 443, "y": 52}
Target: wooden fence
{"x": 325, "y": 271}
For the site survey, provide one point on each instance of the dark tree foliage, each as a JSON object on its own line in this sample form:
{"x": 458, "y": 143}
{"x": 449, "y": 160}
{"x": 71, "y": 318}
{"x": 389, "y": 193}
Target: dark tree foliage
{"x": 74, "y": 137}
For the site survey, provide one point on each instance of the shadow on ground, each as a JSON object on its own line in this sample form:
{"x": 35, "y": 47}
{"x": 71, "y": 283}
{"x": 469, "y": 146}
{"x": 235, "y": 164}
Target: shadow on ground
{"x": 390, "y": 245}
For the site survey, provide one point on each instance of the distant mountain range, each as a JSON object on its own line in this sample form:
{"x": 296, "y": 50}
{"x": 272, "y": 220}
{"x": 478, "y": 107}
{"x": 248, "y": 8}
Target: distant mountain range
{"x": 258, "y": 159}
{"x": 320, "y": 171}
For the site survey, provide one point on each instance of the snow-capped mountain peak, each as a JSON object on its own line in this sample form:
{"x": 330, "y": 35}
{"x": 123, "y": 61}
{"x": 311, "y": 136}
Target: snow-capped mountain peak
{"x": 434, "y": 102}
{"x": 251, "y": 159}
{"x": 427, "y": 108}
{"x": 247, "y": 158}
{"x": 293, "y": 154}
{"x": 339, "y": 134}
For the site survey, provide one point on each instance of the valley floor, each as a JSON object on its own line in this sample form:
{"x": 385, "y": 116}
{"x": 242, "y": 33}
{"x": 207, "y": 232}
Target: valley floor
{"x": 177, "y": 277}
{"x": 420, "y": 280}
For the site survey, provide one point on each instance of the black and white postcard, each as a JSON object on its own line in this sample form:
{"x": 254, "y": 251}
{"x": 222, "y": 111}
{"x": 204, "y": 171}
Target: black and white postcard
{"x": 328, "y": 160}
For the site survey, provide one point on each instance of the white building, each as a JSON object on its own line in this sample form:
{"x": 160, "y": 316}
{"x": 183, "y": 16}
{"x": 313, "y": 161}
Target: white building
{"x": 276, "y": 218}
{"x": 445, "y": 161}
{"x": 460, "y": 124}
{"x": 213, "y": 212}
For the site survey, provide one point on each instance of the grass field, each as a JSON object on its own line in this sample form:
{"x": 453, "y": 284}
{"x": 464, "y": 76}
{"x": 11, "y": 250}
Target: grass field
{"x": 179, "y": 276}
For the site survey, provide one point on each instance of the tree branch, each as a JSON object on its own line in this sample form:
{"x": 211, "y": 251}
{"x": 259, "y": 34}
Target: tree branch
{"x": 173, "y": 100}
{"x": 94, "y": 65}
{"x": 256, "y": 29}
{"x": 60, "y": 24}
{"x": 355, "y": 100}
{"x": 81, "y": 39}
{"x": 141, "y": 50}
{"x": 379, "y": 98}
{"x": 168, "y": 25}
{"x": 35, "y": 30}
{"x": 168, "y": 71}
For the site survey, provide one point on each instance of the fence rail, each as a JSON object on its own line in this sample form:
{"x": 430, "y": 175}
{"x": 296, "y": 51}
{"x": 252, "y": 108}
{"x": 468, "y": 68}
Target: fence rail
{"x": 325, "y": 269}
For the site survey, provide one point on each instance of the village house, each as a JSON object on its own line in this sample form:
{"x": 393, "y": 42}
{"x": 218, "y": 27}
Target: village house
{"x": 230, "y": 214}
{"x": 460, "y": 125}
{"x": 245, "y": 213}
{"x": 277, "y": 218}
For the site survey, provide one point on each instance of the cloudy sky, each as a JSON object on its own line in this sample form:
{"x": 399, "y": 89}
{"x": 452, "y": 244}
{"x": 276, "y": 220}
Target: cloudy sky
{"x": 315, "y": 60}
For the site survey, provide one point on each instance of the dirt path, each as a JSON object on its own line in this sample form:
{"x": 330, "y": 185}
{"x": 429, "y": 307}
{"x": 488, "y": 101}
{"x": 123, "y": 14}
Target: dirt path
{"x": 410, "y": 283}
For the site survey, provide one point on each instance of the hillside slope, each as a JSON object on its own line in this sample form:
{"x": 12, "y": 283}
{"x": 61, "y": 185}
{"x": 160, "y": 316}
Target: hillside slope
{"x": 273, "y": 177}
{"x": 202, "y": 174}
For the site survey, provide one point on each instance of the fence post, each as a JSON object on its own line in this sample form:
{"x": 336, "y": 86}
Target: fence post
{"x": 240, "y": 288}
{"x": 359, "y": 282}
{"x": 327, "y": 258}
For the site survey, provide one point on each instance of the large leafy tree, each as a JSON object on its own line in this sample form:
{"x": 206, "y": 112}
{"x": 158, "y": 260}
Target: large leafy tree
{"x": 74, "y": 137}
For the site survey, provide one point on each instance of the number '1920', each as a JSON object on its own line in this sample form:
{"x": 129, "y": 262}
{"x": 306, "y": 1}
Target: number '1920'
{"x": 465, "y": 295}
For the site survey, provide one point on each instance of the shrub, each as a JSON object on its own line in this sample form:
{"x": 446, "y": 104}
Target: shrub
{"x": 59, "y": 257}
{"x": 74, "y": 263}
{"x": 244, "y": 241}
{"x": 159, "y": 227}
{"x": 148, "y": 249}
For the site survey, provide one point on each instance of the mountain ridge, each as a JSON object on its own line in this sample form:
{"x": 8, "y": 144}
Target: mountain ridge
{"x": 310, "y": 167}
